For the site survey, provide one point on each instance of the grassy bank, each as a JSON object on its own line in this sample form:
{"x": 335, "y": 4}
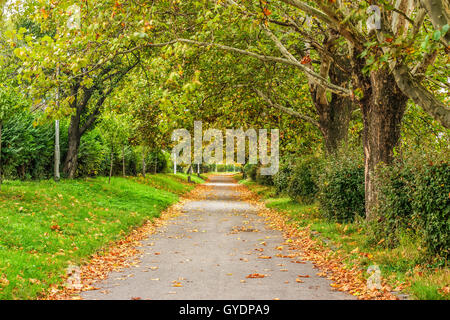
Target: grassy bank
{"x": 403, "y": 266}
{"x": 46, "y": 225}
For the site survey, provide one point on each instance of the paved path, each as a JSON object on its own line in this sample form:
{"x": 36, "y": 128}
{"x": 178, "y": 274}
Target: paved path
{"x": 207, "y": 252}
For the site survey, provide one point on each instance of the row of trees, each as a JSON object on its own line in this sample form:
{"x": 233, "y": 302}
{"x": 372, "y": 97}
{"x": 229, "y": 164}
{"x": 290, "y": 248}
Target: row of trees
{"x": 316, "y": 70}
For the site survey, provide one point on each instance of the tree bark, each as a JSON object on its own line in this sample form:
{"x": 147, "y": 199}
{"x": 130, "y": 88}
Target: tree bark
{"x": 74, "y": 136}
{"x": 123, "y": 161}
{"x": 57, "y": 152}
{"x": 143, "y": 163}
{"x": 111, "y": 165}
{"x": 334, "y": 115}
{"x": 382, "y": 116}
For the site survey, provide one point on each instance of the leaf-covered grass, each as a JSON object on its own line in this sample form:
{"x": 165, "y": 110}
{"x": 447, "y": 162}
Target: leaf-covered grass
{"x": 47, "y": 225}
{"x": 402, "y": 264}
{"x": 175, "y": 183}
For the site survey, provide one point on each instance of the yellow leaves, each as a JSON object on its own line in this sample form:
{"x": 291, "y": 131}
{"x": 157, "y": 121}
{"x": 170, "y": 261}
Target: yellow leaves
{"x": 265, "y": 257}
{"x": 176, "y": 284}
{"x": 299, "y": 280}
{"x": 356, "y": 250}
{"x": 4, "y": 281}
{"x": 255, "y": 275}
{"x": 44, "y": 13}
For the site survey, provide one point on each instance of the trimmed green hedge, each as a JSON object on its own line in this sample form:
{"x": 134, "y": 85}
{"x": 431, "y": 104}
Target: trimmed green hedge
{"x": 301, "y": 185}
{"x": 341, "y": 190}
{"x": 414, "y": 196}
{"x": 282, "y": 177}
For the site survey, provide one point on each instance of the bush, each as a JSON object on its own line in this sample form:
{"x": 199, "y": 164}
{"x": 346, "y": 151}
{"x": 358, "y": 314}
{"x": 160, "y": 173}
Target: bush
{"x": 301, "y": 184}
{"x": 413, "y": 197}
{"x": 93, "y": 155}
{"x": 281, "y": 178}
{"x": 27, "y": 150}
{"x": 251, "y": 171}
{"x": 265, "y": 180}
{"x": 341, "y": 189}
{"x": 431, "y": 206}
{"x": 394, "y": 209}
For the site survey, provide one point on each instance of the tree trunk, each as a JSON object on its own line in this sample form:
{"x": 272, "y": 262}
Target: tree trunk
{"x": 156, "y": 163}
{"x": 334, "y": 115}
{"x": 57, "y": 152}
{"x": 143, "y": 163}
{"x": 71, "y": 161}
{"x": 111, "y": 165}
{"x": 334, "y": 119}
{"x": 382, "y": 117}
{"x": 123, "y": 161}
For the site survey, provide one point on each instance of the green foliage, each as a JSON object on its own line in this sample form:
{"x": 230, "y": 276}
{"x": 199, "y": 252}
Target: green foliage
{"x": 431, "y": 204}
{"x": 281, "y": 178}
{"x": 93, "y": 154}
{"x": 414, "y": 197}
{"x": 265, "y": 180}
{"x": 250, "y": 171}
{"x": 341, "y": 189}
{"x": 301, "y": 185}
{"x": 394, "y": 206}
{"x": 27, "y": 150}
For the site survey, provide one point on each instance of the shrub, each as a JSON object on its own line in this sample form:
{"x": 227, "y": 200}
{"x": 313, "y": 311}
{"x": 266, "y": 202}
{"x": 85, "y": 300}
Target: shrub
{"x": 414, "y": 197}
{"x": 27, "y": 150}
{"x": 281, "y": 178}
{"x": 431, "y": 205}
{"x": 251, "y": 171}
{"x": 341, "y": 189}
{"x": 93, "y": 155}
{"x": 301, "y": 184}
{"x": 394, "y": 210}
{"x": 265, "y": 180}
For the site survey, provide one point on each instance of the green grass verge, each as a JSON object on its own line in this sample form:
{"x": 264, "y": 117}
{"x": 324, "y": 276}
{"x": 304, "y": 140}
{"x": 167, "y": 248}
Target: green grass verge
{"x": 404, "y": 263}
{"x": 47, "y": 225}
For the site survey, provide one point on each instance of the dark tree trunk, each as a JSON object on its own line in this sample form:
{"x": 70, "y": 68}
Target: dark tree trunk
{"x": 123, "y": 161}
{"x": 71, "y": 161}
{"x": 57, "y": 158}
{"x": 334, "y": 115}
{"x": 382, "y": 117}
{"x": 111, "y": 165}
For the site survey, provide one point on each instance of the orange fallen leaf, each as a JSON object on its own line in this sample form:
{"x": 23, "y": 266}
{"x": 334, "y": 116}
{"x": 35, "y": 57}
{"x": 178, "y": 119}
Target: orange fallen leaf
{"x": 255, "y": 275}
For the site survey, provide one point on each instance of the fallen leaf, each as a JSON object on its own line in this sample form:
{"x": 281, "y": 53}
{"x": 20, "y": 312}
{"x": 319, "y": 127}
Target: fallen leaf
{"x": 255, "y": 275}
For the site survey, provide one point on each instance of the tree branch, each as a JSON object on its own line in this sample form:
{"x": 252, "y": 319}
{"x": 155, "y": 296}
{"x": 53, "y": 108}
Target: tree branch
{"x": 284, "y": 109}
{"x": 319, "y": 79}
{"x": 412, "y": 88}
